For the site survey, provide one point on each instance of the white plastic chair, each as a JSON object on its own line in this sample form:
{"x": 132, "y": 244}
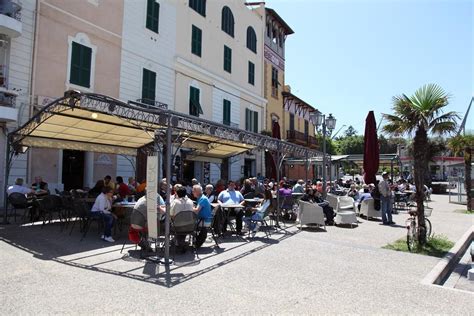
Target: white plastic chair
{"x": 311, "y": 214}
{"x": 332, "y": 199}
{"x": 345, "y": 203}
{"x": 367, "y": 209}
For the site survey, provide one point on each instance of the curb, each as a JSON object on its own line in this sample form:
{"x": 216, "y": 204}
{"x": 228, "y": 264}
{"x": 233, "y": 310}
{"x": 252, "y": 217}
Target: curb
{"x": 440, "y": 272}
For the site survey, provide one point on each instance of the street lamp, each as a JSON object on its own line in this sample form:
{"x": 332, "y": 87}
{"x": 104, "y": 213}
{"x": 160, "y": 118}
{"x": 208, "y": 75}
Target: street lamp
{"x": 328, "y": 124}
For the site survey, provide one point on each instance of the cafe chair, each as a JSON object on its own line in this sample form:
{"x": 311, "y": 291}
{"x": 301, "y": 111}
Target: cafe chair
{"x": 18, "y": 201}
{"x": 311, "y": 213}
{"x": 48, "y": 206}
{"x": 263, "y": 222}
{"x": 367, "y": 209}
{"x": 184, "y": 224}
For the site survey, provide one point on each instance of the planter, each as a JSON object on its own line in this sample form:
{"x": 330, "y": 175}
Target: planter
{"x": 439, "y": 188}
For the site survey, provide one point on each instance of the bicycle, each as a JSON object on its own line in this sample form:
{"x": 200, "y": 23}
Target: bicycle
{"x": 413, "y": 227}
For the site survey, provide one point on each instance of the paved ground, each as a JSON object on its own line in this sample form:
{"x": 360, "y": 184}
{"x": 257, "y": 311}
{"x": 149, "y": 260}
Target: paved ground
{"x": 342, "y": 270}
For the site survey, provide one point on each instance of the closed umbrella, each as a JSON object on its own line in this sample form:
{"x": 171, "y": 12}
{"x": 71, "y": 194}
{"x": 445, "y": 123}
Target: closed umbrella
{"x": 371, "y": 149}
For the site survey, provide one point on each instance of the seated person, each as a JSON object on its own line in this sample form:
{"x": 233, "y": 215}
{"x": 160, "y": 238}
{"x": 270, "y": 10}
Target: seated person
{"x": 327, "y": 210}
{"x": 181, "y": 203}
{"x": 353, "y": 192}
{"x": 299, "y": 186}
{"x": 247, "y": 187}
{"x": 308, "y": 196}
{"x": 209, "y": 192}
{"x": 138, "y": 222}
{"x": 109, "y": 183}
{"x": 258, "y": 212}
{"x": 19, "y": 188}
{"x": 97, "y": 189}
{"x": 40, "y": 186}
{"x": 204, "y": 211}
{"x": 285, "y": 190}
{"x": 232, "y": 197}
{"x": 122, "y": 189}
{"x": 364, "y": 196}
{"x": 102, "y": 208}
{"x": 132, "y": 184}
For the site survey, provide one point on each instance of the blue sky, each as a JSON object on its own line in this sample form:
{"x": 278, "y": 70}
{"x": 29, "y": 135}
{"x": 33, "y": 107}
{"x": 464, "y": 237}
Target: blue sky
{"x": 348, "y": 57}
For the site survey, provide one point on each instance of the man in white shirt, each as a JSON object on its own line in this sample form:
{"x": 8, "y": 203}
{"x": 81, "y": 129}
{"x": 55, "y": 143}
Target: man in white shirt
{"x": 19, "y": 188}
{"x": 232, "y": 197}
{"x": 385, "y": 199}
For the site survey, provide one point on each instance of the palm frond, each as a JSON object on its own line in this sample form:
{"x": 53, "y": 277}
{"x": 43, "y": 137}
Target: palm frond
{"x": 443, "y": 128}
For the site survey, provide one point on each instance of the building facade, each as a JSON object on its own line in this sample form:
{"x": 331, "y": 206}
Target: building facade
{"x": 17, "y": 22}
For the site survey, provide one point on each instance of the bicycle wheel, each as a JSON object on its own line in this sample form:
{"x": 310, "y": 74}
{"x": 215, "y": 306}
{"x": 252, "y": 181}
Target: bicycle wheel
{"x": 411, "y": 236}
{"x": 428, "y": 228}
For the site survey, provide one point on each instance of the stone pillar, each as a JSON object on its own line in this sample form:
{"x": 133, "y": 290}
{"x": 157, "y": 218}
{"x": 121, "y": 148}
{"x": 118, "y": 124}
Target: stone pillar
{"x": 89, "y": 169}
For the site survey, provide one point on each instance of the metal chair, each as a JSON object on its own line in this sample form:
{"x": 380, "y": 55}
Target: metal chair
{"x": 19, "y": 202}
{"x": 183, "y": 224}
{"x": 48, "y": 206}
{"x": 263, "y": 221}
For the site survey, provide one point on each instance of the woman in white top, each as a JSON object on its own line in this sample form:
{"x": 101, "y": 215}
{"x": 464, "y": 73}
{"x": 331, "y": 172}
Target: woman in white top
{"x": 102, "y": 208}
{"x": 259, "y": 212}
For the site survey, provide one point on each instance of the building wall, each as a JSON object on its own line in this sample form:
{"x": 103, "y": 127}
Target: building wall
{"x": 83, "y": 21}
{"x": 19, "y": 78}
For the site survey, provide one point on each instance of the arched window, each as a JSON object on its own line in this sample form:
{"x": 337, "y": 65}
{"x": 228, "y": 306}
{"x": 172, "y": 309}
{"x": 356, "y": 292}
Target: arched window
{"x": 251, "y": 39}
{"x": 227, "y": 23}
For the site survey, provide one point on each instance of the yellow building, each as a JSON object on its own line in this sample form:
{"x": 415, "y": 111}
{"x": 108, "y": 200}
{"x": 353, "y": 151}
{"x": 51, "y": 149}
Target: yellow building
{"x": 287, "y": 116}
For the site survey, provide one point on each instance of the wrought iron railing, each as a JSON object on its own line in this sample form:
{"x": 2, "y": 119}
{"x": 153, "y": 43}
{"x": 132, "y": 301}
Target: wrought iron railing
{"x": 295, "y": 136}
{"x": 231, "y": 124}
{"x": 149, "y": 104}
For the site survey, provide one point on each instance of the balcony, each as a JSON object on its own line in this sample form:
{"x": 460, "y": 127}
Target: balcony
{"x": 231, "y": 124}
{"x": 8, "y": 112}
{"x": 10, "y": 18}
{"x": 302, "y": 139}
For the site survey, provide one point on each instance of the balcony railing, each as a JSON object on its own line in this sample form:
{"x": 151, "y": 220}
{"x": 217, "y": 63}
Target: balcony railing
{"x": 231, "y": 124}
{"x": 10, "y": 8}
{"x": 149, "y": 104}
{"x": 301, "y": 139}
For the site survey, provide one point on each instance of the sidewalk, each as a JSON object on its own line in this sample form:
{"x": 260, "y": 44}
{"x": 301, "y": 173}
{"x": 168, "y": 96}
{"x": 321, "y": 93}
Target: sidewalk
{"x": 342, "y": 270}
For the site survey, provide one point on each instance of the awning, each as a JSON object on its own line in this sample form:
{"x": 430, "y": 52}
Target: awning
{"x": 93, "y": 122}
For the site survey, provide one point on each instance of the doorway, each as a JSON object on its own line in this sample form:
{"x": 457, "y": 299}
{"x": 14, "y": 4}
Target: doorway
{"x": 73, "y": 169}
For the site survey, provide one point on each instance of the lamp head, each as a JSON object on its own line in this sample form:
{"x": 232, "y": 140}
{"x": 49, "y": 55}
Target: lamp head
{"x": 316, "y": 118}
{"x": 330, "y": 122}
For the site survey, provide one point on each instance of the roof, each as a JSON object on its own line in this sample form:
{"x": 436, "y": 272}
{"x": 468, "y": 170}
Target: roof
{"x": 273, "y": 13}
{"x": 98, "y": 123}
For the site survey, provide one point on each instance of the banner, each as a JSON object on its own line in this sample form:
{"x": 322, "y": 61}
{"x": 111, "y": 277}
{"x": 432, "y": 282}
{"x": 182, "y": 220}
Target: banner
{"x": 152, "y": 195}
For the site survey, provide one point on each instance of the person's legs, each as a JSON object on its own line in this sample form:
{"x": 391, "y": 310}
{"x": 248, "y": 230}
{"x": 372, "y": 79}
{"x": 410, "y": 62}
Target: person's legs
{"x": 385, "y": 209}
{"x": 108, "y": 223}
{"x": 239, "y": 214}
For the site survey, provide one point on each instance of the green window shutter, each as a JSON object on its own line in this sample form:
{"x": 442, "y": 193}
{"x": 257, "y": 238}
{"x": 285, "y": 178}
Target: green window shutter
{"x": 194, "y": 106}
{"x": 292, "y": 122}
{"x": 306, "y": 128}
{"x": 199, "y": 6}
{"x": 227, "y": 59}
{"x": 247, "y": 119}
{"x": 148, "y": 86}
{"x": 251, "y": 73}
{"x": 226, "y": 112}
{"x": 81, "y": 61}
{"x": 255, "y": 122}
{"x": 152, "y": 15}
{"x": 196, "y": 41}
{"x": 227, "y": 21}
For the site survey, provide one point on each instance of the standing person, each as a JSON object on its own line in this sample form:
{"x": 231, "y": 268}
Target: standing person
{"x": 229, "y": 197}
{"x": 102, "y": 208}
{"x": 385, "y": 198}
{"x": 204, "y": 212}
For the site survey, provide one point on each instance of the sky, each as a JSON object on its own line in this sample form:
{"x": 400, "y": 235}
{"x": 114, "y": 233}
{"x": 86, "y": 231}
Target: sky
{"x": 348, "y": 57}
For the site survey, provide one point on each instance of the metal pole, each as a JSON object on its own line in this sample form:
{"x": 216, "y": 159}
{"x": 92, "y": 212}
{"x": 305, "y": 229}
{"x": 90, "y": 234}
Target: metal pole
{"x": 391, "y": 170}
{"x": 324, "y": 158}
{"x": 5, "y": 187}
{"x": 277, "y": 185}
{"x": 307, "y": 168}
{"x": 168, "y": 192}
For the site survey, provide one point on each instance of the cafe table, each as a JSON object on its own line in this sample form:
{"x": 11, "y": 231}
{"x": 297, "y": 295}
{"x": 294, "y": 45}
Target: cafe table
{"x": 123, "y": 211}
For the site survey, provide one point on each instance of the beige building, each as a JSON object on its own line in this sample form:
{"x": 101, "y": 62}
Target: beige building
{"x": 78, "y": 46}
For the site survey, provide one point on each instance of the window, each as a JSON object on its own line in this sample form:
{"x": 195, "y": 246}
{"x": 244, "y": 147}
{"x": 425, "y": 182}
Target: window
{"x": 282, "y": 39}
{"x": 227, "y": 22}
{"x": 274, "y": 82}
{"x": 194, "y": 104}
{"x": 148, "y": 86}
{"x": 251, "y": 73}
{"x": 199, "y": 6}
{"x": 152, "y": 15}
{"x": 226, "y": 111}
{"x": 306, "y": 128}
{"x": 269, "y": 30}
{"x": 227, "y": 59}
{"x": 80, "y": 73}
{"x": 292, "y": 122}
{"x": 251, "y": 121}
{"x": 196, "y": 41}
{"x": 251, "y": 39}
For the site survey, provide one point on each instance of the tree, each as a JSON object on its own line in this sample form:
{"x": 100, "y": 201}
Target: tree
{"x": 350, "y": 145}
{"x": 464, "y": 144}
{"x": 350, "y": 131}
{"x": 421, "y": 114}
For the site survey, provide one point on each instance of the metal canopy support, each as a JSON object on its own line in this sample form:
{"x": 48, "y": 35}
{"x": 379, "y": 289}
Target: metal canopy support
{"x": 168, "y": 160}
{"x": 8, "y": 161}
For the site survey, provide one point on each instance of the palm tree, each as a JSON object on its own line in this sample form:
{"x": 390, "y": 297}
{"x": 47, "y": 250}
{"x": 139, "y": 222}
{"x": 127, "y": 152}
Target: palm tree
{"x": 421, "y": 114}
{"x": 464, "y": 144}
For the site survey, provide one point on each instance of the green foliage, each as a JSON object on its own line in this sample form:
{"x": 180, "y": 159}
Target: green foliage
{"x": 350, "y": 131}
{"x": 436, "y": 246}
{"x": 350, "y": 145}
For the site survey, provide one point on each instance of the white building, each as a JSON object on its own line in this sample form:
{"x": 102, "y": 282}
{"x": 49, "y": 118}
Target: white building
{"x": 16, "y": 49}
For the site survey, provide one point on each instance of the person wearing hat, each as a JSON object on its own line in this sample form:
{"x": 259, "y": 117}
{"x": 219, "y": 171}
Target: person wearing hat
{"x": 385, "y": 199}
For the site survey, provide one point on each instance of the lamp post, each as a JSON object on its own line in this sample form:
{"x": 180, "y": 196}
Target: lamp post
{"x": 327, "y": 124}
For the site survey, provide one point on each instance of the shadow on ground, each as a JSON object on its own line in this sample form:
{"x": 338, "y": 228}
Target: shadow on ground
{"x": 52, "y": 243}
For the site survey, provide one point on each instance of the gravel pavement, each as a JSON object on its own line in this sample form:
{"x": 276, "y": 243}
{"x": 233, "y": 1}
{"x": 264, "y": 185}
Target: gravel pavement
{"x": 342, "y": 270}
